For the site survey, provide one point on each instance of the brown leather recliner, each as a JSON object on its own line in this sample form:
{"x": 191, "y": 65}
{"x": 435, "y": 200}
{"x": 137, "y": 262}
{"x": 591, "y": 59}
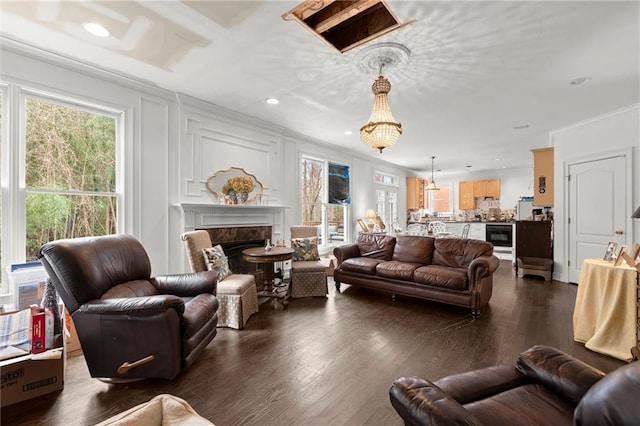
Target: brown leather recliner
{"x": 545, "y": 387}
{"x": 124, "y": 316}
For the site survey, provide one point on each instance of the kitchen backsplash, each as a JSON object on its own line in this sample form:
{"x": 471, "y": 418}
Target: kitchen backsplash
{"x": 485, "y": 208}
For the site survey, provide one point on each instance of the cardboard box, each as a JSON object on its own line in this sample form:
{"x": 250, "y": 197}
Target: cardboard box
{"x": 72, "y": 341}
{"x": 31, "y": 376}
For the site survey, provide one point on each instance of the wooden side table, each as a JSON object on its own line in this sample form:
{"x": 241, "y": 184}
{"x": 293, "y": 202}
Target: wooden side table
{"x": 259, "y": 255}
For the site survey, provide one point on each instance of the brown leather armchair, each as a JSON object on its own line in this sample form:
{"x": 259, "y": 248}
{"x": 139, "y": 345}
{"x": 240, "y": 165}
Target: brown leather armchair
{"x": 131, "y": 325}
{"x": 545, "y": 387}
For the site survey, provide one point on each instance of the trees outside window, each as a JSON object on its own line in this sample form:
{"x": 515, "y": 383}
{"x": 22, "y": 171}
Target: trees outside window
{"x": 70, "y": 173}
{"x": 325, "y": 198}
{"x": 61, "y": 174}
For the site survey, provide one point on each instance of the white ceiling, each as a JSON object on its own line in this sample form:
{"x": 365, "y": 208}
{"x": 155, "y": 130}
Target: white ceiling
{"x": 475, "y": 71}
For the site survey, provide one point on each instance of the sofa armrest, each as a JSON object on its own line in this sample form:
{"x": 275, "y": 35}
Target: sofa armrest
{"x": 186, "y": 285}
{"x": 134, "y": 306}
{"x": 345, "y": 252}
{"x": 420, "y": 402}
{"x": 481, "y": 267}
{"x": 480, "y": 384}
{"x": 558, "y": 371}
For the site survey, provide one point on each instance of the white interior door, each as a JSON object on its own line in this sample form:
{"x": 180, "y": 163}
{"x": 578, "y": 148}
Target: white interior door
{"x": 597, "y": 209}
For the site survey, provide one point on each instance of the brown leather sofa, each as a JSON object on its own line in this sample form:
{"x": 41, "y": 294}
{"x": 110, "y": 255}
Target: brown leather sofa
{"x": 450, "y": 270}
{"x": 131, "y": 325}
{"x": 544, "y": 387}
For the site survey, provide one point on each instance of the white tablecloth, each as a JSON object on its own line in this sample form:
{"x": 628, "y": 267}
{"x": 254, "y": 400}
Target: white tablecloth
{"x": 604, "y": 318}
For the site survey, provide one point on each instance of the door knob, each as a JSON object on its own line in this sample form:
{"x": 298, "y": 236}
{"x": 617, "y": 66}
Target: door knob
{"x": 619, "y": 232}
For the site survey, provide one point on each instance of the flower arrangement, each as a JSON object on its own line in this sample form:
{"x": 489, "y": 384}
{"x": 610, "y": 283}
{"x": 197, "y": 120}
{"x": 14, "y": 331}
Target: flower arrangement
{"x": 239, "y": 184}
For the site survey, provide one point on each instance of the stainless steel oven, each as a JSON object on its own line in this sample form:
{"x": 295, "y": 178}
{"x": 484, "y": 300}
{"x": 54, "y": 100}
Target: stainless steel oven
{"x": 499, "y": 234}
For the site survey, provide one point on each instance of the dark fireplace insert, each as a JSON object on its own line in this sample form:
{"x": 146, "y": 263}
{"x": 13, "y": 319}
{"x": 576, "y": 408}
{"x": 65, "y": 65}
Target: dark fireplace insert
{"x": 235, "y": 239}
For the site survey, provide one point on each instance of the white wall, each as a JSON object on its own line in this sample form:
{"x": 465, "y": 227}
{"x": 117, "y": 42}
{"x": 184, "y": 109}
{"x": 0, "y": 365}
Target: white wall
{"x": 174, "y": 143}
{"x": 163, "y": 165}
{"x": 612, "y": 132}
{"x": 149, "y": 117}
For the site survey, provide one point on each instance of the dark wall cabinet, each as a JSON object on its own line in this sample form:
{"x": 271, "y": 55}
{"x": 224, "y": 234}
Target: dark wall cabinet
{"x": 534, "y": 239}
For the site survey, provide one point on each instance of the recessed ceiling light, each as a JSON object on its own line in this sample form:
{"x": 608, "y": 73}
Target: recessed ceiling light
{"x": 580, "y": 80}
{"x": 272, "y": 101}
{"x": 496, "y": 159}
{"x": 348, "y": 132}
{"x": 468, "y": 167}
{"x": 521, "y": 127}
{"x": 96, "y": 29}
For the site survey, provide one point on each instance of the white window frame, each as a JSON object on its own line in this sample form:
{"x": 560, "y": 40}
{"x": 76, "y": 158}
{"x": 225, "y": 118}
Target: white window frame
{"x": 13, "y": 175}
{"x": 324, "y": 242}
{"x": 388, "y": 184}
{"x": 432, "y": 203}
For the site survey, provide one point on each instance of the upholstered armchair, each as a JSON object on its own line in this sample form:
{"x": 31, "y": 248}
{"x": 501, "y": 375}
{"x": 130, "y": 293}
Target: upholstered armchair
{"x": 308, "y": 274}
{"x": 544, "y": 387}
{"x": 237, "y": 293}
{"x": 131, "y": 325}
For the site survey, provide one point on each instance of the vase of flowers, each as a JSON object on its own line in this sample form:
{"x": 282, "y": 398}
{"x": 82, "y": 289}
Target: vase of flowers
{"x": 237, "y": 189}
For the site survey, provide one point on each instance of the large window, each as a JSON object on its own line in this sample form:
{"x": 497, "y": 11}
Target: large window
{"x": 63, "y": 178}
{"x": 440, "y": 201}
{"x": 325, "y": 198}
{"x": 387, "y": 199}
{"x": 70, "y": 173}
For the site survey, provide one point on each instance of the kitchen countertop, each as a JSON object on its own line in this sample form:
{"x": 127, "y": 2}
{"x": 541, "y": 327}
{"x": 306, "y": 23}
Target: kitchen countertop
{"x": 509, "y": 222}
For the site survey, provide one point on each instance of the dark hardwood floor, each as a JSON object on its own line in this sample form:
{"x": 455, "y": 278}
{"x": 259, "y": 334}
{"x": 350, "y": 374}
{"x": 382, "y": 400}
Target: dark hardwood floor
{"x": 331, "y": 361}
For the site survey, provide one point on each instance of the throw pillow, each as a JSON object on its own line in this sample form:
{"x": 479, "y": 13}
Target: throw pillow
{"x": 217, "y": 261}
{"x": 305, "y": 248}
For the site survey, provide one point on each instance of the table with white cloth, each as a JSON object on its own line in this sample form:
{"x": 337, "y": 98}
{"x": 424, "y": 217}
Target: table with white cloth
{"x": 604, "y": 317}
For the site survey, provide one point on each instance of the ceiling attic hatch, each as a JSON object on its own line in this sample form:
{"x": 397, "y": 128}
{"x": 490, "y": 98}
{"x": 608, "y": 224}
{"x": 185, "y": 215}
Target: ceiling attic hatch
{"x": 344, "y": 25}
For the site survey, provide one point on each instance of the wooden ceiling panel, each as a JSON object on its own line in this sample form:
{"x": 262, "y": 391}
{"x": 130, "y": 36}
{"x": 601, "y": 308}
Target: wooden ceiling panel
{"x": 344, "y": 25}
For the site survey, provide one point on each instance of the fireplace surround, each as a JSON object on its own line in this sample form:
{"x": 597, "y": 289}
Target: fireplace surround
{"x": 231, "y": 226}
{"x": 235, "y": 239}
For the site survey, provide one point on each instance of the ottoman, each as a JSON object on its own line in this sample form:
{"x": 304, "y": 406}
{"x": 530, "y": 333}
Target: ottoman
{"x": 308, "y": 279}
{"x": 534, "y": 266}
{"x": 237, "y": 299}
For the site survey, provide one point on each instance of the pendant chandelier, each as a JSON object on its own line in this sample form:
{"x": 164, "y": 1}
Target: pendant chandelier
{"x": 432, "y": 185}
{"x": 381, "y": 131}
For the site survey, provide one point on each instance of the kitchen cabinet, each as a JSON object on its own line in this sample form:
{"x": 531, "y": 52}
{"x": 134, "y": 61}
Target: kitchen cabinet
{"x": 533, "y": 239}
{"x": 477, "y": 231}
{"x": 479, "y": 188}
{"x": 543, "y": 176}
{"x": 486, "y": 188}
{"x": 493, "y": 188}
{"x": 416, "y": 198}
{"x": 466, "y": 200}
{"x": 452, "y": 228}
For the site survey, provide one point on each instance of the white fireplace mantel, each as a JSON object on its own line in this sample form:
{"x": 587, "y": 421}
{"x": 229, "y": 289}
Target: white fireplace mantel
{"x": 199, "y": 215}
{"x": 225, "y": 207}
